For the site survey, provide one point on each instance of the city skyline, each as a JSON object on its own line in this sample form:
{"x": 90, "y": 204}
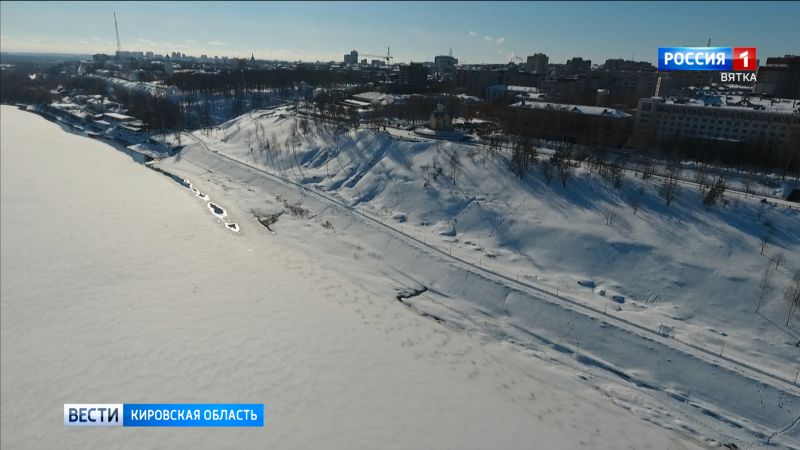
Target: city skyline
{"x": 476, "y": 32}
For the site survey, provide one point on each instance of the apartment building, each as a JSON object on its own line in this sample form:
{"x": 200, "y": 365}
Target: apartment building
{"x": 766, "y": 123}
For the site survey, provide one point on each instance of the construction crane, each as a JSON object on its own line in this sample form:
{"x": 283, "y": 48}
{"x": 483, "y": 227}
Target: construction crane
{"x": 387, "y": 57}
{"x": 116, "y": 28}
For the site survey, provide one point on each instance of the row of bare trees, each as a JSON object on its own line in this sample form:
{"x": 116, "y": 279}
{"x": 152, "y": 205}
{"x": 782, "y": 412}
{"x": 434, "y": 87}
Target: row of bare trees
{"x": 791, "y": 294}
{"x": 254, "y": 80}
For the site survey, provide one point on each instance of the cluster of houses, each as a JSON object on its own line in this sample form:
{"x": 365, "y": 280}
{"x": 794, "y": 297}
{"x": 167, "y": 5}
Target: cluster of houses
{"x": 96, "y": 115}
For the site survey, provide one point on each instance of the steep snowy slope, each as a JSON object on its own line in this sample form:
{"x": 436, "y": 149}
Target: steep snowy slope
{"x": 689, "y": 272}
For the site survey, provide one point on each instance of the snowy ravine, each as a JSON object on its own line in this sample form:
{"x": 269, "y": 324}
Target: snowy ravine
{"x": 684, "y": 384}
{"x": 120, "y": 285}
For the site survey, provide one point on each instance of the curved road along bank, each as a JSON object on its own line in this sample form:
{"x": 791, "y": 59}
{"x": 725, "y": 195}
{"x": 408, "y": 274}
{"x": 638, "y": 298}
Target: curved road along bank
{"x": 739, "y": 396}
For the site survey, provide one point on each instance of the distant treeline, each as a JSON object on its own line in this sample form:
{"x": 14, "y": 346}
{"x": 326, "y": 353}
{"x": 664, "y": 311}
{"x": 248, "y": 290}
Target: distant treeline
{"x": 28, "y": 83}
{"x": 260, "y": 79}
{"x": 35, "y": 84}
{"x": 779, "y": 159}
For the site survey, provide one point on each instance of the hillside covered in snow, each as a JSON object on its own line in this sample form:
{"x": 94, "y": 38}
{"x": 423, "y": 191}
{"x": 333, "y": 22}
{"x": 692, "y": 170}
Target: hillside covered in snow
{"x": 602, "y": 277}
{"x": 690, "y": 272}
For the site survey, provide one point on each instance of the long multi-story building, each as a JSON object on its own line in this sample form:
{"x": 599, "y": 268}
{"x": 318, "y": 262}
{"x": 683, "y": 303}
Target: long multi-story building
{"x": 622, "y": 65}
{"x": 581, "y": 124}
{"x": 761, "y": 122}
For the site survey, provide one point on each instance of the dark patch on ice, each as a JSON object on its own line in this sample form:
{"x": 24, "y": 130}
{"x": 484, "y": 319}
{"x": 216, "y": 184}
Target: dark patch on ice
{"x": 404, "y": 294}
{"x": 216, "y": 210}
{"x": 679, "y": 397}
{"x": 562, "y": 349}
{"x": 723, "y": 419}
{"x": 589, "y": 361}
{"x": 627, "y": 247}
{"x": 431, "y": 316}
{"x": 268, "y": 220}
{"x": 175, "y": 178}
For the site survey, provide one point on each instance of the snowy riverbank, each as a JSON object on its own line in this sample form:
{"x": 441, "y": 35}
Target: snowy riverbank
{"x": 118, "y": 285}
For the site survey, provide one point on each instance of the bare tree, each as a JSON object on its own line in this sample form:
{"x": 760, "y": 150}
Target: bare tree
{"x": 700, "y": 174}
{"x": 714, "y": 194}
{"x": 564, "y": 173}
{"x": 747, "y": 183}
{"x": 778, "y": 258}
{"x": 248, "y": 139}
{"x": 561, "y": 161}
{"x": 548, "y": 171}
{"x": 610, "y": 214}
{"x": 304, "y": 126}
{"x": 178, "y": 127}
{"x": 523, "y": 156}
{"x": 616, "y": 174}
{"x": 765, "y": 284}
{"x": 648, "y": 166}
{"x": 670, "y": 186}
{"x": 767, "y": 233}
{"x": 635, "y": 199}
{"x": 792, "y": 296}
{"x": 455, "y": 165}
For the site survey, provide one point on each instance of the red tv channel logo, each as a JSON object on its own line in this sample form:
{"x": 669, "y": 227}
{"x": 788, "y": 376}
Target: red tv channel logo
{"x": 744, "y": 58}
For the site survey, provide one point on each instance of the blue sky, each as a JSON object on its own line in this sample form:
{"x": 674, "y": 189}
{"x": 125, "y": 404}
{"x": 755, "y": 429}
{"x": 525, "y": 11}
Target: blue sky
{"x": 476, "y": 31}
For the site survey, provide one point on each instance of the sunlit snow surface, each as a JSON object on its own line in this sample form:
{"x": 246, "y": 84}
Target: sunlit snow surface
{"x": 118, "y": 285}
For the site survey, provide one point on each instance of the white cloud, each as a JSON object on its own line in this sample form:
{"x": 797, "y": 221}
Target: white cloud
{"x": 472, "y": 33}
{"x": 488, "y": 38}
{"x": 500, "y": 40}
{"x": 218, "y": 43}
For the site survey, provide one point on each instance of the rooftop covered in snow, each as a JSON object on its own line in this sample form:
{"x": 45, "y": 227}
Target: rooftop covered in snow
{"x": 742, "y": 102}
{"x": 580, "y": 109}
{"x": 375, "y": 98}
